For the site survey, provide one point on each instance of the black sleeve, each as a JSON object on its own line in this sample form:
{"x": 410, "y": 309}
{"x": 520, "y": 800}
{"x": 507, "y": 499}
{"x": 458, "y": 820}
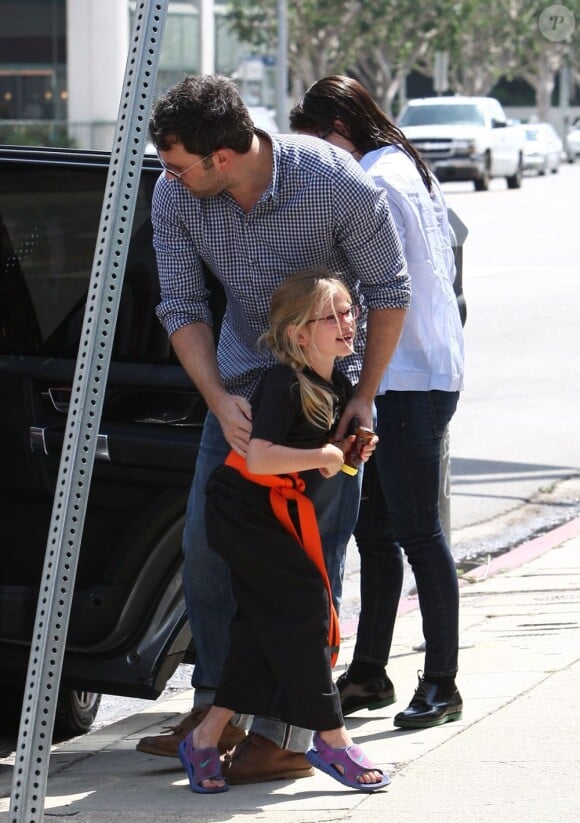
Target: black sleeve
{"x": 276, "y": 405}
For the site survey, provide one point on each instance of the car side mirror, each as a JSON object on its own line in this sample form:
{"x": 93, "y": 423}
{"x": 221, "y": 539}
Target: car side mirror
{"x": 498, "y": 124}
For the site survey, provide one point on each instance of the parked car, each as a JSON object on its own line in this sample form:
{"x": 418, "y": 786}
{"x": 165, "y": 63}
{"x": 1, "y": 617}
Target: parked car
{"x": 465, "y": 138}
{"x": 573, "y": 142}
{"x": 128, "y": 628}
{"x": 542, "y": 148}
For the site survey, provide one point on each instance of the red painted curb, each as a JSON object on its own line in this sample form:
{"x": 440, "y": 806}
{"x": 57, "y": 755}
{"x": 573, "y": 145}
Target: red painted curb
{"x": 527, "y": 551}
{"x": 511, "y": 559}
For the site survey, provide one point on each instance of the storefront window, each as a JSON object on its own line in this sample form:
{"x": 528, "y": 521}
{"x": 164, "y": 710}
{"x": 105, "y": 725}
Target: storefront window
{"x": 32, "y": 59}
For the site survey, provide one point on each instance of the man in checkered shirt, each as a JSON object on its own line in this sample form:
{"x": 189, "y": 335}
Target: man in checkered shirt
{"x": 256, "y": 208}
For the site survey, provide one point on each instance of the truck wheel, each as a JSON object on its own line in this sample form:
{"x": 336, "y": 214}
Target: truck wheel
{"x": 515, "y": 181}
{"x": 482, "y": 183}
{"x": 75, "y": 712}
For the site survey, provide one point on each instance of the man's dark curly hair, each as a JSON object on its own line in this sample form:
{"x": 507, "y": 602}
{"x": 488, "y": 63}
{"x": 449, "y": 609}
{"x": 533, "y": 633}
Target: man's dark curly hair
{"x": 203, "y": 113}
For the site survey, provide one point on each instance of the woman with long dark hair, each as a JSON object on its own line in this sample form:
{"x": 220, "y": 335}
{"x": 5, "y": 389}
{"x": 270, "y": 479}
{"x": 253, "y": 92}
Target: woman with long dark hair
{"x": 417, "y": 398}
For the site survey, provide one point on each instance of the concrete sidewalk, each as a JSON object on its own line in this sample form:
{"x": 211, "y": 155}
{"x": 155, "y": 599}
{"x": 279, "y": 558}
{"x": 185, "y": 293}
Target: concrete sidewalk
{"x": 514, "y": 755}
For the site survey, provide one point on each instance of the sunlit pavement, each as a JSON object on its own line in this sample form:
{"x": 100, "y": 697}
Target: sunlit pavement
{"x": 513, "y": 755}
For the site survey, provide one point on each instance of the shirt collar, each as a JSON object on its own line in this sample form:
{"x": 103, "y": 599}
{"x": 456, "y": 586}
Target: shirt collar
{"x": 368, "y": 159}
{"x": 273, "y": 189}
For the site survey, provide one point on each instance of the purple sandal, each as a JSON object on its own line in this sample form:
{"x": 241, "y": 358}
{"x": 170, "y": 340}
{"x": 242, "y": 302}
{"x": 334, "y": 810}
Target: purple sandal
{"x": 201, "y": 764}
{"x": 352, "y": 760}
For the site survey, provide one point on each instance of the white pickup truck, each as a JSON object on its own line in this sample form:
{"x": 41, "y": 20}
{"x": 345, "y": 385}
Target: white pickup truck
{"x": 465, "y": 138}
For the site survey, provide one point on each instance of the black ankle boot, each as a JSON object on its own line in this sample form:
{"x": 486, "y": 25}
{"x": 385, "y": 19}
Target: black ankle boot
{"x": 374, "y": 693}
{"x": 432, "y": 705}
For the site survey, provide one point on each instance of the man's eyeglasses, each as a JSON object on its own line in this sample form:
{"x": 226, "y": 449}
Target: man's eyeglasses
{"x": 352, "y": 313}
{"x": 179, "y": 174}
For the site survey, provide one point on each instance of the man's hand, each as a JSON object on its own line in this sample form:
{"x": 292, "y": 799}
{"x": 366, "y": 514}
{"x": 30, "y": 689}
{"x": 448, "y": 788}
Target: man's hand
{"x": 384, "y": 329}
{"x": 357, "y": 407}
{"x": 368, "y": 449}
{"x": 235, "y": 418}
{"x": 195, "y": 348}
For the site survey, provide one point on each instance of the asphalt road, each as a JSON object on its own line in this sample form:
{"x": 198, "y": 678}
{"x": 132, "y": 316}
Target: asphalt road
{"x": 516, "y": 433}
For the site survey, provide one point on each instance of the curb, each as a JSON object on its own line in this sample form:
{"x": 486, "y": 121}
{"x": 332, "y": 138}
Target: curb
{"x": 518, "y": 556}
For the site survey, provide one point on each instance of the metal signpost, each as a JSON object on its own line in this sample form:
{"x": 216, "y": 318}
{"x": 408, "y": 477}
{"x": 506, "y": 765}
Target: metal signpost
{"x": 440, "y": 72}
{"x": 80, "y": 440}
{"x": 206, "y": 37}
{"x": 282, "y": 67}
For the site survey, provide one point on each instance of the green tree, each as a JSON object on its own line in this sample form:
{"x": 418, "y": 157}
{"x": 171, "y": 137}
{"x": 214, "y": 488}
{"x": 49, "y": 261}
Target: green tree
{"x": 502, "y": 38}
{"x": 484, "y": 46}
{"x": 537, "y": 57}
{"x": 381, "y": 41}
{"x": 397, "y": 36}
{"x": 320, "y": 34}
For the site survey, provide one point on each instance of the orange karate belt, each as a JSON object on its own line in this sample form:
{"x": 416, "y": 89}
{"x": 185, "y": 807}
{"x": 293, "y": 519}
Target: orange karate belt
{"x": 291, "y": 487}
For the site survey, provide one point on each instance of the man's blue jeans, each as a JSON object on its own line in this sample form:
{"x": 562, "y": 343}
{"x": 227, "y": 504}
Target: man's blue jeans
{"x": 411, "y": 426}
{"x": 208, "y": 595}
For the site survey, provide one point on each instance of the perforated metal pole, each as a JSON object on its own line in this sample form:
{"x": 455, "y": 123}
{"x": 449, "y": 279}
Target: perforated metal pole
{"x": 80, "y": 440}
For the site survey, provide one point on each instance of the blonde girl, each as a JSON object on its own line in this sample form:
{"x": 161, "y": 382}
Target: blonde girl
{"x": 262, "y": 523}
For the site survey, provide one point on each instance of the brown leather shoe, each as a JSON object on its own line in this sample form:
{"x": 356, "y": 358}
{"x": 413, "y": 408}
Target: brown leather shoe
{"x": 257, "y": 760}
{"x": 165, "y": 745}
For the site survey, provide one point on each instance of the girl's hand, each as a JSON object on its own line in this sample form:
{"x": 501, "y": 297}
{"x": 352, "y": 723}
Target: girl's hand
{"x": 347, "y": 445}
{"x": 333, "y": 459}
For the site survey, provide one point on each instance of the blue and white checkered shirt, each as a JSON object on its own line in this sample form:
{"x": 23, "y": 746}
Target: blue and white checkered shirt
{"x": 319, "y": 210}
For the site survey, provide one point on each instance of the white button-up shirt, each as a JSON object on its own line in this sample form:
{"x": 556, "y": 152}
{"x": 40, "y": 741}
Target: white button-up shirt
{"x": 430, "y": 352}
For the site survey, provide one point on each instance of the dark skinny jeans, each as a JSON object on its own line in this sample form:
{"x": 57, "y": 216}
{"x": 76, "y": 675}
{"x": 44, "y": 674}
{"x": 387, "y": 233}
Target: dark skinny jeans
{"x": 400, "y": 510}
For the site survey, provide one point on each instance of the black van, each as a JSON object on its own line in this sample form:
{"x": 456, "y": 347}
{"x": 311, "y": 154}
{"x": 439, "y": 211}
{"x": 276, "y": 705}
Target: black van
{"x": 128, "y": 627}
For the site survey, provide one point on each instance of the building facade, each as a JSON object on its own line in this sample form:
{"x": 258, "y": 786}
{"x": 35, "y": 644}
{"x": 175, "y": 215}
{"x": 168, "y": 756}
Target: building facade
{"x": 62, "y": 65}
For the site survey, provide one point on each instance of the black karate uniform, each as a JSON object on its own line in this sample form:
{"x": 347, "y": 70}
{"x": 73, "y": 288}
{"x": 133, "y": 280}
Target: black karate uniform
{"x": 278, "y": 664}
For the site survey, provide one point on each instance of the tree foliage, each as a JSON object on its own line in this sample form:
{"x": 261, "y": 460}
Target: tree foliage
{"x": 381, "y": 41}
{"x": 537, "y": 59}
{"x": 501, "y": 38}
{"x": 319, "y": 34}
{"x": 397, "y": 36}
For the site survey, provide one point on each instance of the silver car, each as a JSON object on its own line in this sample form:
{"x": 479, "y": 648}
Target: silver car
{"x": 573, "y": 142}
{"x": 542, "y": 148}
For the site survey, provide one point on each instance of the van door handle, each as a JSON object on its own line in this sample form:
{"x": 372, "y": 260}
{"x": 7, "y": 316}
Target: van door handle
{"x": 60, "y": 398}
{"x": 40, "y": 437}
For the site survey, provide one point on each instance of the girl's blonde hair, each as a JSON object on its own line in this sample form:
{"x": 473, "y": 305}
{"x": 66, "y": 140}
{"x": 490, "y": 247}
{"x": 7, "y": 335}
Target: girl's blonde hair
{"x": 294, "y": 303}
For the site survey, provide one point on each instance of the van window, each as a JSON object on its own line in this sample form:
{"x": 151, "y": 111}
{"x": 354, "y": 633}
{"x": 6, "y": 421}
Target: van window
{"x": 49, "y": 218}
